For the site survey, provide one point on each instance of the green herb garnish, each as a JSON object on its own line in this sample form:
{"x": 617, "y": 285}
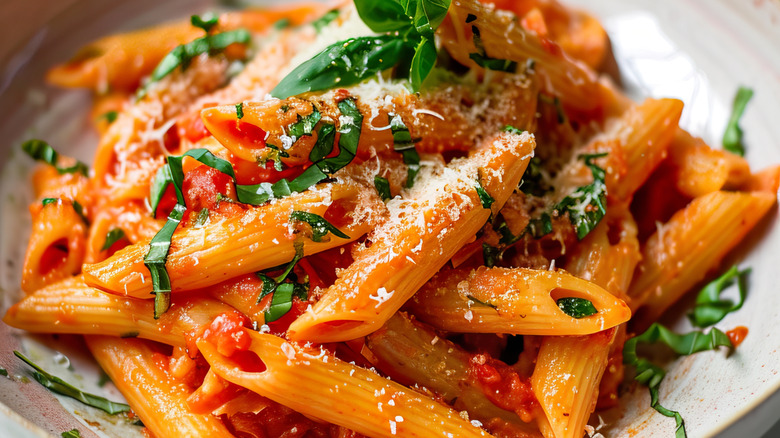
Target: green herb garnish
{"x": 405, "y": 145}
{"x": 710, "y": 308}
{"x": 576, "y": 307}
{"x": 484, "y": 196}
{"x": 109, "y": 116}
{"x": 481, "y": 303}
{"x": 490, "y": 254}
{"x": 55, "y": 384}
{"x": 732, "y": 137}
{"x": 587, "y": 205}
{"x": 484, "y": 61}
{"x": 283, "y": 292}
{"x": 155, "y": 259}
{"x": 323, "y": 21}
{"x": 73, "y": 433}
{"x": 42, "y": 151}
{"x": 205, "y": 22}
{"x": 113, "y": 236}
{"x": 240, "y": 110}
{"x": 320, "y": 227}
{"x": 512, "y": 130}
{"x": 382, "y": 187}
{"x": 651, "y": 375}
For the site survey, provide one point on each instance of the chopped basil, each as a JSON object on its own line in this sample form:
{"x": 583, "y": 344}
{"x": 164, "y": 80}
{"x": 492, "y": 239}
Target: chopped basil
{"x": 282, "y": 24}
{"x": 651, "y": 375}
{"x": 205, "y": 22}
{"x": 484, "y": 61}
{"x": 42, "y": 151}
{"x": 490, "y": 254}
{"x": 323, "y": 21}
{"x": 3, "y": 372}
{"x": 305, "y": 125}
{"x": 181, "y": 56}
{"x": 240, "y": 110}
{"x": 587, "y": 204}
{"x": 512, "y": 130}
{"x": 113, "y": 236}
{"x": 80, "y": 211}
{"x": 537, "y": 227}
{"x": 73, "y": 433}
{"x": 404, "y": 144}
{"x": 382, "y": 187}
{"x": 576, "y": 307}
{"x": 484, "y": 196}
{"x": 710, "y": 308}
{"x": 109, "y": 116}
{"x": 259, "y": 194}
{"x": 47, "y": 201}
{"x": 533, "y": 182}
{"x": 481, "y": 303}
{"x": 320, "y": 227}
{"x": 55, "y": 384}
{"x": 156, "y": 257}
{"x": 129, "y": 335}
{"x": 732, "y": 137}
{"x": 283, "y": 292}
{"x": 558, "y": 106}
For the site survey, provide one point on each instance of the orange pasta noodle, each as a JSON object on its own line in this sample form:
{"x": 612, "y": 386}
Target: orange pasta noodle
{"x": 428, "y": 225}
{"x": 256, "y": 239}
{"x": 568, "y": 399}
{"x": 691, "y": 244}
{"x": 70, "y": 306}
{"x": 57, "y": 245}
{"x": 412, "y": 354}
{"x": 701, "y": 170}
{"x": 137, "y": 370}
{"x": 571, "y": 80}
{"x": 517, "y": 301}
{"x": 610, "y": 265}
{"x": 322, "y": 386}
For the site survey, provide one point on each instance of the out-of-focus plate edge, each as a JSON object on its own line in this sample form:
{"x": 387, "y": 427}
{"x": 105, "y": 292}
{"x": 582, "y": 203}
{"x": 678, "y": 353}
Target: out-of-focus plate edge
{"x": 17, "y": 426}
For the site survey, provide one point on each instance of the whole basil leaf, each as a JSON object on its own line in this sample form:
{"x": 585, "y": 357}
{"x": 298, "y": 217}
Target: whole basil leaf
{"x": 343, "y": 64}
{"x": 423, "y": 62}
{"x": 383, "y": 16}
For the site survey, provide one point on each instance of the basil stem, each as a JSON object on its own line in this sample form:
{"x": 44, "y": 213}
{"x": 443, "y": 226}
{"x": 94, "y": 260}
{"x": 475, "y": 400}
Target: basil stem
{"x": 710, "y": 308}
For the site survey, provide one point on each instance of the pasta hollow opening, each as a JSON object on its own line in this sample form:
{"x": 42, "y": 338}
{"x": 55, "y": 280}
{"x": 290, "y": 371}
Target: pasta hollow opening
{"x": 54, "y": 256}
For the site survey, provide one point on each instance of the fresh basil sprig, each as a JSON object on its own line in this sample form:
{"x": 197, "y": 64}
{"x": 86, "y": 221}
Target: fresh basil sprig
{"x": 651, "y": 375}
{"x": 587, "y": 205}
{"x": 320, "y": 226}
{"x": 576, "y": 307}
{"x": 407, "y": 28}
{"x": 42, "y": 151}
{"x": 55, "y": 384}
{"x": 732, "y": 136}
{"x": 710, "y": 308}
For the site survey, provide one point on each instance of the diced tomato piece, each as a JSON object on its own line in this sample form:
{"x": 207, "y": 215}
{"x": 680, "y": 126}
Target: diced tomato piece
{"x": 201, "y": 185}
{"x": 226, "y": 332}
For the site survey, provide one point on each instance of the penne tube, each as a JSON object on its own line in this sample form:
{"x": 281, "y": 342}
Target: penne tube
{"x": 701, "y": 170}
{"x": 767, "y": 180}
{"x": 257, "y": 239}
{"x": 316, "y": 384}
{"x": 138, "y": 371}
{"x": 70, "y": 306}
{"x": 691, "y": 244}
{"x": 577, "y": 362}
{"x": 517, "y": 301}
{"x": 435, "y": 219}
{"x": 414, "y": 355}
{"x": 57, "y": 245}
{"x": 571, "y": 80}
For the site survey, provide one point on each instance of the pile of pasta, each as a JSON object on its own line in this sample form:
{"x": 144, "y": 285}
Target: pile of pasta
{"x": 466, "y": 259}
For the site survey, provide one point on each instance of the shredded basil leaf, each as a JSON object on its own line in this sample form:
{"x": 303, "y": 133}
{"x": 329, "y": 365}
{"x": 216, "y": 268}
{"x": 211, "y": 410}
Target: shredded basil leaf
{"x": 710, "y": 308}
{"x": 283, "y": 293}
{"x": 319, "y": 225}
{"x": 3, "y": 372}
{"x": 240, "y": 110}
{"x": 282, "y": 24}
{"x": 182, "y": 56}
{"x": 651, "y": 375}
{"x": 404, "y": 144}
{"x": 533, "y": 182}
{"x": 484, "y": 61}
{"x": 129, "y": 335}
{"x": 576, "y": 307}
{"x": 481, "y": 303}
{"x": 47, "y": 201}
{"x": 113, "y": 236}
{"x": 205, "y": 22}
{"x": 732, "y": 137}
{"x": 484, "y": 196}
{"x": 109, "y": 116}
{"x": 157, "y": 256}
{"x": 558, "y": 107}
{"x": 512, "y": 130}
{"x": 55, "y": 384}
{"x": 587, "y": 205}
{"x": 42, "y": 151}
{"x": 305, "y": 125}
{"x": 73, "y": 433}
{"x": 490, "y": 254}
{"x": 323, "y": 21}
{"x": 382, "y": 187}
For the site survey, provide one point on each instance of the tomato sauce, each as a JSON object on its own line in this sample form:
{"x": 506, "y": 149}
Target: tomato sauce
{"x": 503, "y": 386}
{"x": 737, "y": 335}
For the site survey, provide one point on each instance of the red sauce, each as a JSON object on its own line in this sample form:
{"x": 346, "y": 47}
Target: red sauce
{"x": 54, "y": 256}
{"x": 227, "y": 333}
{"x": 201, "y": 185}
{"x": 190, "y": 125}
{"x": 737, "y": 335}
{"x": 248, "y": 172}
{"x": 248, "y": 135}
{"x": 503, "y": 386}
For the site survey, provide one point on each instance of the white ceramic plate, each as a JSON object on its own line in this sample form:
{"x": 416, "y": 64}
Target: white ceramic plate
{"x": 699, "y": 51}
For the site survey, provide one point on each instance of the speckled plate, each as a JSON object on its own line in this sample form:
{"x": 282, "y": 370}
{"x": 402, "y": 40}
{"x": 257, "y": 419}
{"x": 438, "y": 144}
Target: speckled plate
{"x": 699, "y": 51}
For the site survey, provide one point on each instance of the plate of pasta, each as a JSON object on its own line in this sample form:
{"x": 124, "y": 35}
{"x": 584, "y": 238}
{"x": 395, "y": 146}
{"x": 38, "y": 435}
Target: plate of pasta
{"x": 428, "y": 218}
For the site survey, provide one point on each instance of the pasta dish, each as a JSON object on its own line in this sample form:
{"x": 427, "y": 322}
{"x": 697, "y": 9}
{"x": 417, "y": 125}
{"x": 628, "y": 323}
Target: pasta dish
{"x": 429, "y": 218}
